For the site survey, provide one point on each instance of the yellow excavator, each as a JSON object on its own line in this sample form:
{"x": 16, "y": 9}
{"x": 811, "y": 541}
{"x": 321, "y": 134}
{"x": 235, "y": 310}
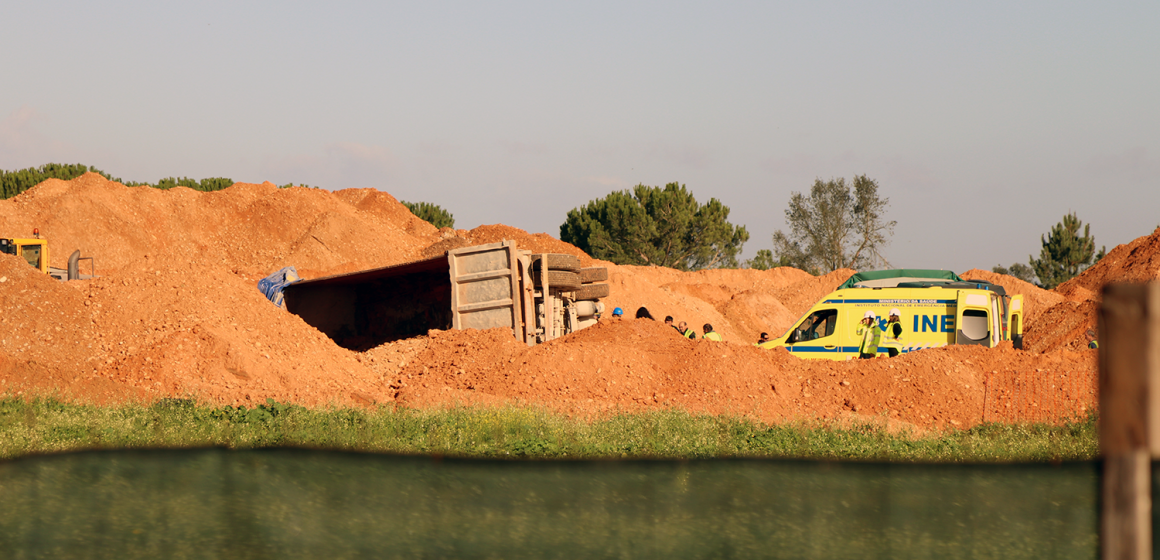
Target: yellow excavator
{"x": 35, "y": 251}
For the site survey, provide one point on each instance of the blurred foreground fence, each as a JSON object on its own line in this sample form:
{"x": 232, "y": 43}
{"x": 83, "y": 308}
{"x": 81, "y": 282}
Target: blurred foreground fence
{"x": 1040, "y": 396}
{"x": 286, "y": 503}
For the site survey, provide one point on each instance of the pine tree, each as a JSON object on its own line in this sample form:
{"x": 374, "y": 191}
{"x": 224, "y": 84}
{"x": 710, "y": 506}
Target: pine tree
{"x": 1017, "y": 270}
{"x": 656, "y": 226}
{"x": 763, "y": 260}
{"x": 431, "y": 213}
{"x": 1065, "y": 252}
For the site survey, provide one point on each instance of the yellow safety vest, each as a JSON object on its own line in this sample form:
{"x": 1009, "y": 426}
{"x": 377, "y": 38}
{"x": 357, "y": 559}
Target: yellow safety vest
{"x": 870, "y": 337}
{"x": 890, "y": 341}
{"x": 712, "y": 335}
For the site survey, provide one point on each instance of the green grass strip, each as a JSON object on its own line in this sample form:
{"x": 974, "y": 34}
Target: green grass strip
{"x": 50, "y": 426}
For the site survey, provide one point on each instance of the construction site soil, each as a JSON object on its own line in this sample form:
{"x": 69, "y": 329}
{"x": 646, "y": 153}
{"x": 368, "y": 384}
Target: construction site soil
{"x": 175, "y": 313}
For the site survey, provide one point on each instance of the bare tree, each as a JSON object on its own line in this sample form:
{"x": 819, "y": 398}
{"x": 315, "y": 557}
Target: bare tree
{"x": 835, "y": 227}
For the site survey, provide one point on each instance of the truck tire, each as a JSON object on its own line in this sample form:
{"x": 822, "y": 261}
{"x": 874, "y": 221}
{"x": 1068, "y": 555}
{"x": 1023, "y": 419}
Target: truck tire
{"x": 593, "y": 274}
{"x": 558, "y": 279}
{"x": 558, "y": 261}
{"x": 591, "y": 291}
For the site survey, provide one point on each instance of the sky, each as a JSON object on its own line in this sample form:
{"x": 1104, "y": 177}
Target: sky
{"x": 984, "y": 123}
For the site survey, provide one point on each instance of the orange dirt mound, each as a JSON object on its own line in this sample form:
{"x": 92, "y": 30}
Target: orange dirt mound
{"x": 254, "y": 229}
{"x": 1065, "y": 325}
{"x": 176, "y": 313}
{"x": 740, "y": 304}
{"x": 634, "y": 365}
{"x": 1138, "y": 261}
{"x": 800, "y": 296}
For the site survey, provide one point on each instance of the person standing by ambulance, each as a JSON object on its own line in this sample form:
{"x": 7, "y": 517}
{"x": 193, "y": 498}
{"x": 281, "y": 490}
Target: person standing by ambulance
{"x": 892, "y": 338}
{"x": 871, "y": 335}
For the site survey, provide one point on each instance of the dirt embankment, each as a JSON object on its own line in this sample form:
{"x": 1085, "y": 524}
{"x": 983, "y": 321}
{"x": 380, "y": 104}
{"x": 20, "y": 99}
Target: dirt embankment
{"x": 1071, "y": 322}
{"x": 176, "y": 313}
{"x": 1138, "y": 261}
{"x": 634, "y": 365}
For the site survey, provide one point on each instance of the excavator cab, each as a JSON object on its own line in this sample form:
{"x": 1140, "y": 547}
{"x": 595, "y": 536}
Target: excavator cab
{"x": 34, "y": 251}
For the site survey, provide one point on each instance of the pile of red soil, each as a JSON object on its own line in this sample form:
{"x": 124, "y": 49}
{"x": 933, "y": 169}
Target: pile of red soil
{"x": 253, "y": 229}
{"x": 48, "y": 339}
{"x": 1071, "y": 322}
{"x": 633, "y": 365}
{"x": 175, "y": 313}
{"x": 534, "y": 242}
{"x": 1069, "y": 325}
{"x": 1138, "y": 261}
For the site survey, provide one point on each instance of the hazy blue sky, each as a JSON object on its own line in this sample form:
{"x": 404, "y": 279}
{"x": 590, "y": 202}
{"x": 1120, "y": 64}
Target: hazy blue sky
{"x": 983, "y": 122}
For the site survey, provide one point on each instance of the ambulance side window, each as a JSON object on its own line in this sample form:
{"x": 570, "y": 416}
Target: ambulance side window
{"x": 819, "y": 324}
{"x": 975, "y": 325}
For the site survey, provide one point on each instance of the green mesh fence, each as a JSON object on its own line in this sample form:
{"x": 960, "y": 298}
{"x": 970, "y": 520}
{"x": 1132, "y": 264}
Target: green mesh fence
{"x": 287, "y": 503}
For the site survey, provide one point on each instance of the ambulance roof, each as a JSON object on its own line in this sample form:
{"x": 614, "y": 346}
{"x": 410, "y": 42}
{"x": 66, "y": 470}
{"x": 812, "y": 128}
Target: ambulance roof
{"x": 891, "y": 278}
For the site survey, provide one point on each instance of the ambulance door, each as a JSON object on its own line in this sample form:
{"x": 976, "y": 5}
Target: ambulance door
{"x": 973, "y": 319}
{"x": 1015, "y": 322}
{"x": 997, "y": 323}
{"x": 816, "y": 336}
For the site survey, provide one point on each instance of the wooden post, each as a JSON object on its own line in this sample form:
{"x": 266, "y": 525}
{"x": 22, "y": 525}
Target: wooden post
{"x": 1129, "y": 337}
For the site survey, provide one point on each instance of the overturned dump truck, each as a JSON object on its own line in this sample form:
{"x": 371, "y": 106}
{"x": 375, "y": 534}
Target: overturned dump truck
{"x": 539, "y": 296}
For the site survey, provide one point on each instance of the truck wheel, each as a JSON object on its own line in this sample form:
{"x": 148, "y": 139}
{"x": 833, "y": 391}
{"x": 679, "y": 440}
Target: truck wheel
{"x": 558, "y": 279}
{"x": 558, "y": 261}
{"x": 593, "y": 274}
{"x": 592, "y": 291}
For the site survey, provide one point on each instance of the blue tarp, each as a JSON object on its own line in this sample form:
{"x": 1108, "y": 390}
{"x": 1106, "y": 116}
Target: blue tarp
{"x": 273, "y": 284}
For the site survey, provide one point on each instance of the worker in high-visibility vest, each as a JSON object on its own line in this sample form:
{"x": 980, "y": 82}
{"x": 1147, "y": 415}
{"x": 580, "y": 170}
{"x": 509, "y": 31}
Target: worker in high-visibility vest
{"x": 710, "y": 334}
{"x": 892, "y": 338}
{"x": 871, "y": 334}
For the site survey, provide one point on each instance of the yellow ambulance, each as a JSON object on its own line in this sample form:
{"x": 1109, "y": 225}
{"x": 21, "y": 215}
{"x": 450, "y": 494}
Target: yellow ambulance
{"x": 937, "y": 308}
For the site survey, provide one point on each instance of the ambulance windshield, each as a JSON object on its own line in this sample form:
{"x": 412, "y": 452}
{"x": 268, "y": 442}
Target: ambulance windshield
{"x": 819, "y": 324}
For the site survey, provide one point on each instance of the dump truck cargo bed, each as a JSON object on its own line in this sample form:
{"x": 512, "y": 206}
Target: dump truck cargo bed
{"x": 471, "y": 287}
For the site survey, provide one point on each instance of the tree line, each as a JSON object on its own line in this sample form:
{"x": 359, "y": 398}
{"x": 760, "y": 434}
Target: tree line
{"x": 13, "y": 183}
{"x": 837, "y": 224}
